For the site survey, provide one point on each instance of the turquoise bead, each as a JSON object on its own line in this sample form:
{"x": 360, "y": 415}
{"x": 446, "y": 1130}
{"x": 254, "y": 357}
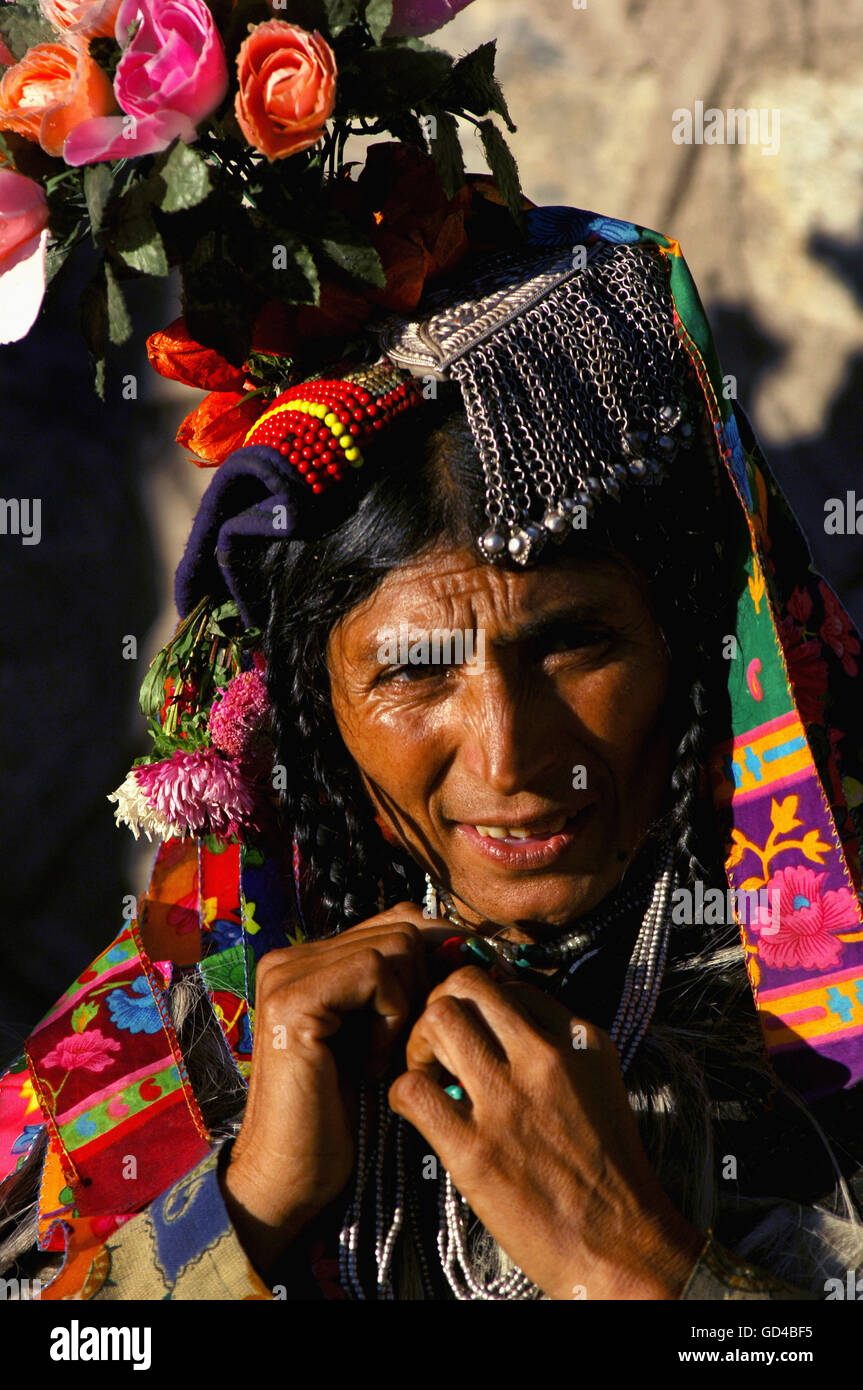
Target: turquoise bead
{"x": 456, "y": 1092}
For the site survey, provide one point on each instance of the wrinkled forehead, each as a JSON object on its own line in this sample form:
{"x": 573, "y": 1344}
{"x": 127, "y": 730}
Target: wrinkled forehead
{"x": 451, "y": 587}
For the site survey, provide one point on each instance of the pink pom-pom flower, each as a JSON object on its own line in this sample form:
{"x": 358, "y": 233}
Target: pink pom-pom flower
{"x": 238, "y": 719}
{"x": 196, "y": 793}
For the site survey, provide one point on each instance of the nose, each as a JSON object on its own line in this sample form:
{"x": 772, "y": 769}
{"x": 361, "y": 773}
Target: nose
{"x": 512, "y": 733}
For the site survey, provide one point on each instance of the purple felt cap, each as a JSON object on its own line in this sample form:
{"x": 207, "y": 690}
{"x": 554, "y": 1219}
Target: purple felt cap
{"x": 253, "y": 499}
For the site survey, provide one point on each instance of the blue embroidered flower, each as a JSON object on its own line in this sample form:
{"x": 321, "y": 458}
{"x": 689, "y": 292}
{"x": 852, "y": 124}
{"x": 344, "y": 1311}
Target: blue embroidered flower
{"x": 135, "y": 1012}
{"x": 24, "y": 1143}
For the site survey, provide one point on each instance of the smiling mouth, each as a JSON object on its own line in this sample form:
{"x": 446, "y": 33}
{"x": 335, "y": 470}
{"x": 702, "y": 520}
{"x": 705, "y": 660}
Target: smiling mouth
{"x": 528, "y": 846}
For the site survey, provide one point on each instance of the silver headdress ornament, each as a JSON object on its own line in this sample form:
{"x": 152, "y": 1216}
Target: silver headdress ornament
{"x": 574, "y": 382}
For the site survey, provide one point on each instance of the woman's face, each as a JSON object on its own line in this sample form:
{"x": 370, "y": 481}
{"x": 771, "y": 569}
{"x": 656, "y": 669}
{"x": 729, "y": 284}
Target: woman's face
{"x": 550, "y": 732}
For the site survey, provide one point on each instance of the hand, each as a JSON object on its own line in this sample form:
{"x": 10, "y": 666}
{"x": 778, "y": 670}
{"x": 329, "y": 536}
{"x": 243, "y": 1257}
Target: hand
{"x": 544, "y": 1147}
{"x": 325, "y": 1012}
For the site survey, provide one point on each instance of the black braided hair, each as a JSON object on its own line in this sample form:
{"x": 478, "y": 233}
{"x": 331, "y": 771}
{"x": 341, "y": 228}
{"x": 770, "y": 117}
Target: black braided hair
{"x": 427, "y": 485}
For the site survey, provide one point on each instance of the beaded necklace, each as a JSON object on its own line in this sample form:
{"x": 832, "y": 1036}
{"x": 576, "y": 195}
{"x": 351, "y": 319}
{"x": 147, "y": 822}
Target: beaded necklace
{"x": 641, "y": 987}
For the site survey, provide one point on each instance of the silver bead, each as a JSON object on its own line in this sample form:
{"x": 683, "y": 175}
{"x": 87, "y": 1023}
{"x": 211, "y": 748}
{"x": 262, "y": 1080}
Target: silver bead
{"x": 638, "y": 468}
{"x": 492, "y": 542}
{"x": 555, "y": 523}
{"x": 516, "y": 545}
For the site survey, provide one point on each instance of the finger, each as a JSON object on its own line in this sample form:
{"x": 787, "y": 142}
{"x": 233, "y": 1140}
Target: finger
{"x": 400, "y": 944}
{"x": 504, "y": 1016}
{"x": 363, "y": 980}
{"x": 451, "y": 1035}
{"x": 443, "y": 1122}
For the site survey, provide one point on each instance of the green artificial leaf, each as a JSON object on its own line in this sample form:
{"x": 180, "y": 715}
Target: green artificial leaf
{"x": 93, "y": 313}
{"x": 22, "y": 26}
{"x": 343, "y": 244}
{"x": 446, "y": 149}
{"x": 503, "y": 167}
{"x": 408, "y": 128}
{"x": 119, "y": 323}
{"x": 54, "y": 261}
{"x": 279, "y": 263}
{"x": 340, "y": 13}
{"x": 97, "y": 190}
{"x": 180, "y": 179}
{"x": 473, "y": 86}
{"x": 399, "y": 75}
{"x": 134, "y": 238}
{"x": 378, "y": 16}
{"x": 106, "y": 51}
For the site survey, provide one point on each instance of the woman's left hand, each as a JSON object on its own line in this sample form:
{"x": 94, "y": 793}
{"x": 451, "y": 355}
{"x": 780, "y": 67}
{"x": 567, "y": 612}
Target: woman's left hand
{"x": 545, "y": 1146}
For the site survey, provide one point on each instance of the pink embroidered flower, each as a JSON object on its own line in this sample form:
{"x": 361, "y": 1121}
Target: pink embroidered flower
{"x": 837, "y": 632}
{"x": 172, "y": 74}
{"x": 88, "y": 1051}
{"x": 807, "y": 669}
{"x": 197, "y": 793}
{"x": 800, "y": 605}
{"x": 238, "y": 717}
{"x": 808, "y": 921}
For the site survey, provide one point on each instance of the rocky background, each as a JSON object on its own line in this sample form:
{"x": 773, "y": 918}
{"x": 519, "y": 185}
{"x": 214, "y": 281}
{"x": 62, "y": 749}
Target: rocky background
{"x": 775, "y": 242}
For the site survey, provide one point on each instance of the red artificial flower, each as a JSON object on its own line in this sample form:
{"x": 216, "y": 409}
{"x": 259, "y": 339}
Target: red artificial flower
{"x": 219, "y": 425}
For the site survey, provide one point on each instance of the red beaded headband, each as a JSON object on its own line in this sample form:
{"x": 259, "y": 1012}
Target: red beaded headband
{"x": 319, "y": 425}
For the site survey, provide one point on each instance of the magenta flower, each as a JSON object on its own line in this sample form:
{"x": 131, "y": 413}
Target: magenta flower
{"x": 23, "y": 240}
{"x": 412, "y": 18}
{"x": 89, "y": 1051}
{"x": 197, "y": 793}
{"x": 237, "y": 720}
{"x": 837, "y": 632}
{"x": 808, "y": 921}
{"x": 171, "y": 76}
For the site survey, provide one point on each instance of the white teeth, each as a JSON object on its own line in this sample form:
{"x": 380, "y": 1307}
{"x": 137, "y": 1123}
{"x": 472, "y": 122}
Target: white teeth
{"x": 518, "y": 832}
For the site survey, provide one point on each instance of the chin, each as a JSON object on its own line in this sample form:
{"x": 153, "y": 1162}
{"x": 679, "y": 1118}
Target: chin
{"x": 544, "y": 906}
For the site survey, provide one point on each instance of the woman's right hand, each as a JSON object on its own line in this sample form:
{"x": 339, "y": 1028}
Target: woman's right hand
{"x": 327, "y": 1013}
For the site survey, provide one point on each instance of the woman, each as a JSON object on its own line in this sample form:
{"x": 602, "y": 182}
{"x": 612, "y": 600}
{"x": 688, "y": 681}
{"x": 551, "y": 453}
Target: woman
{"x": 498, "y": 658}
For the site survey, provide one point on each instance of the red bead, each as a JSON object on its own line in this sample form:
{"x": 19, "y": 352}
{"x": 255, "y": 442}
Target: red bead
{"x": 363, "y": 397}
{"x": 371, "y": 410}
{"x": 358, "y": 414}
{"x": 317, "y": 487}
{"x": 323, "y": 433}
{"x": 294, "y": 457}
{"x": 307, "y": 453}
{"x": 344, "y": 417}
{"x": 332, "y": 468}
{"x": 317, "y": 447}
{"x": 284, "y": 448}
{"x": 303, "y": 466}
{"x": 327, "y": 456}
{"x": 379, "y": 424}
{"x": 337, "y": 477}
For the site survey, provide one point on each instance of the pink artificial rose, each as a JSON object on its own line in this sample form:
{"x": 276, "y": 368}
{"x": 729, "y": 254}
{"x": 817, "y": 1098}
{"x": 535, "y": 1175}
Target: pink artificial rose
{"x": 85, "y": 18}
{"x": 23, "y": 238}
{"x": 412, "y": 18}
{"x": 171, "y": 76}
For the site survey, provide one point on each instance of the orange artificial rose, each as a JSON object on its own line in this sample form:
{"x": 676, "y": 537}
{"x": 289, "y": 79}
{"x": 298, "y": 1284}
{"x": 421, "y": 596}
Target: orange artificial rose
{"x": 287, "y": 88}
{"x": 52, "y": 89}
{"x": 86, "y": 18}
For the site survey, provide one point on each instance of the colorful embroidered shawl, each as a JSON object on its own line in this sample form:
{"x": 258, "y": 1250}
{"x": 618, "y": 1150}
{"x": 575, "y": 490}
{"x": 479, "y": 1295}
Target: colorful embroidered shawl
{"x": 104, "y": 1070}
